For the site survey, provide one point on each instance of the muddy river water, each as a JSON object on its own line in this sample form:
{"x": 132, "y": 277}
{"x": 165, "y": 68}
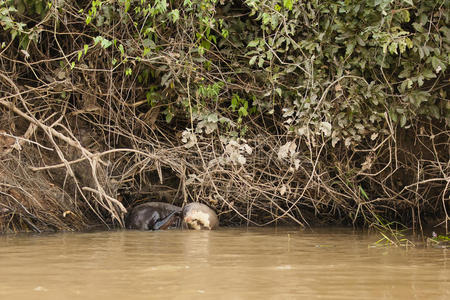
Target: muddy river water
{"x": 268, "y": 263}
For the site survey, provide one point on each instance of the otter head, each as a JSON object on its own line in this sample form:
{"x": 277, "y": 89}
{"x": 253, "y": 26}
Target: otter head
{"x": 199, "y": 216}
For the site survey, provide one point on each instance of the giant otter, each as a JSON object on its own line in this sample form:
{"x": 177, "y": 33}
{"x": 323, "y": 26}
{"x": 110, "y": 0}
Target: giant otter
{"x": 199, "y": 216}
{"x": 160, "y": 215}
{"x": 153, "y": 216}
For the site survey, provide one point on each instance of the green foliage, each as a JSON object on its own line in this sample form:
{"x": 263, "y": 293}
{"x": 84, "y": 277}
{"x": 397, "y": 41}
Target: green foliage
{"x": 239, "y": 104}
{"x": 439, "y": 241}
{"x": 339, "y": 70}
{"x": 348, "y": 61}
{"x": 12, "y": 19}
{"x": 441, "y": 238}
{"x": 105, "y": 43}
{"x": 210, "y": 91}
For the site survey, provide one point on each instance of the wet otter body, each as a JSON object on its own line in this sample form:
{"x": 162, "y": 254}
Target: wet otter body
{"x": 199, "y": 216}
{"x": 153, "y": 216}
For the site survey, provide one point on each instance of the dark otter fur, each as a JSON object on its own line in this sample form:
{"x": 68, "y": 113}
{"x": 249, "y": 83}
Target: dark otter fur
{"x": 153, "y": 216}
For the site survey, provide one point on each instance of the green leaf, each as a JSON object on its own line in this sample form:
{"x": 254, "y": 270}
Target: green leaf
{"x": 266, "y": 18}
{"x": 13, "y": 34}
{"x": 169, "y": 117}
{"x": 393, "y": 48}
{"x": 213, "y": 118}
{"x": 105, "y": 43}
{"x": 350, "y": 47}
{"x": 261, "y": 62}
{"x": 288, "y": 4}
{"x": 409, "y": 2}
{"x": 234, "y": 102}
{"x": 242, "y": 111}
{"x": 253, "y": 43}
{"x": 274, "y": 21}
{"x": 420, "y": 80}
{"x": 363, "y": 192}
{"x": 175, "y": 14}
{"x": 402, "y": 121}
{"x": 437, "y": 64}
{"x": 201, "y": 50}
{"x": 407, "y": 84}
{"x": 405, "y": 73}
{"x": 149, "y": 43}
{"x": 434, "y": 111}
{"x": 225, "y": 33}
{"x": 278, "y": 91}
{"x": 360, "y": 41}
{"x": 428, "y": 74}
{"x": 187, "y": 3}
{"x": 423, "y": 18}
{"x": 417, "y": 98}
{"x": 393, "y": 116}
{"x": 252, "y": 60}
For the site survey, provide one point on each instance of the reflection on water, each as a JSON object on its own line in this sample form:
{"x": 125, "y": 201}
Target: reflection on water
{"x": 228, "y": 263}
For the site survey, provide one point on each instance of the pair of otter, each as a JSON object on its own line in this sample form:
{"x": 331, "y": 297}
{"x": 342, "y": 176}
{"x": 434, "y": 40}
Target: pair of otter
{"x": 160, "y": 215}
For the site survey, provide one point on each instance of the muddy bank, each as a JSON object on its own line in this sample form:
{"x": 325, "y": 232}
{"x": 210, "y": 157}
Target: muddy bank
{"x": 67, "y": 177}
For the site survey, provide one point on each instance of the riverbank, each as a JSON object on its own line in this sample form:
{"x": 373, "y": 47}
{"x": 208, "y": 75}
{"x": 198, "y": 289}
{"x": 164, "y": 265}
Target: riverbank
{"x": 335, "y": 113}
{"x": 38, "y": 194}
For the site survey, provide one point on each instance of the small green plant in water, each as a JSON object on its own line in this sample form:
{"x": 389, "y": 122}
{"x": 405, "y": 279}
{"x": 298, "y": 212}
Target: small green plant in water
{"x": 438, "y": 241}
{"x": 390, "y": 233}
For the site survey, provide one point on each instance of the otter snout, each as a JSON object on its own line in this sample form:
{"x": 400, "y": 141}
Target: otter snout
{"x": 198, "y": 216}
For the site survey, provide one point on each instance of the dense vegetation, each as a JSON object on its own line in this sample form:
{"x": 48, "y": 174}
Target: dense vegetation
{"x": 270, "y": 111}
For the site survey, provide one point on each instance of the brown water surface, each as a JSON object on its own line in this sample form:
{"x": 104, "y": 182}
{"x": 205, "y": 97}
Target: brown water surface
{"x": 269, "y": 263}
